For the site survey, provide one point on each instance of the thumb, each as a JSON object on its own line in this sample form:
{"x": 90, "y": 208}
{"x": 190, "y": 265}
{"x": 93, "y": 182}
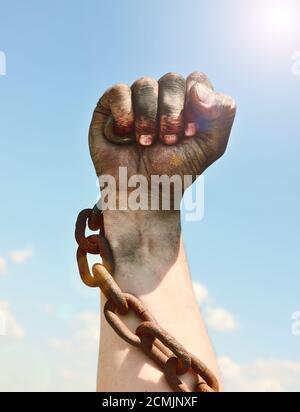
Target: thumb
{"x": 205, "y": 103}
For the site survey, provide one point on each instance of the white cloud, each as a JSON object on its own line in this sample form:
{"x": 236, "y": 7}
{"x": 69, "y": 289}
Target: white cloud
{"x": 9, "y": 327}
{"x": 85, "y": 337}
{"x": 21, "y": 256}
{"x": 220, "y": 319}
{"x": 263, "y": 375}
{"x": 68, "y": 364}
{"x": 78, "y": 354}
{"x": 201, "y": 292}
{"x": 216, "y": 317}
{"x": 2, "y": 265}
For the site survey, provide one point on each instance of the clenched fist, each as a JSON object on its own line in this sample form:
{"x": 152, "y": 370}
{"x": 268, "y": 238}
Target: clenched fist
{"x": 168, "y": 127}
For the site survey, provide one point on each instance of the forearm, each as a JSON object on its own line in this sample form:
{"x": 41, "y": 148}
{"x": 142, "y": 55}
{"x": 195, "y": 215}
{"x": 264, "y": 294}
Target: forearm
{"x": 150, "y": 263}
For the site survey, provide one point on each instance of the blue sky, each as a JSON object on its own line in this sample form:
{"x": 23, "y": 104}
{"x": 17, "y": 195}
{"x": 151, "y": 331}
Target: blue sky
{"x": 61, "y": 56}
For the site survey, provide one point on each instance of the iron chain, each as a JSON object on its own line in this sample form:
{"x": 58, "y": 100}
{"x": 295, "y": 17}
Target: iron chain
{"x": 160, "y": 346}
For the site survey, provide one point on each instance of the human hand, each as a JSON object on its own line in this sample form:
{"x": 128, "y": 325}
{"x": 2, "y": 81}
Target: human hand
{"x": 179, "y": 126}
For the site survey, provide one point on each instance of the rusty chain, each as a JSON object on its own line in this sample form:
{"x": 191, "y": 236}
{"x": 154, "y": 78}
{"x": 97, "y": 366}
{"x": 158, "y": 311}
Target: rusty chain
{"x": 161, "y": 347}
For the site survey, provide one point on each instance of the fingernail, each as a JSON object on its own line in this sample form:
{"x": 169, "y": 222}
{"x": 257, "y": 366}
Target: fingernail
{"x": 170, "y": 138}
{"x": 204, "y": 93}
{"x": 190, "y": 129}
{"x": 145, "y": 139}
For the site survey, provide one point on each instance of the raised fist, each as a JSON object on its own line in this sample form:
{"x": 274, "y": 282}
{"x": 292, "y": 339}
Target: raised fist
{"x": 168, "y": 127}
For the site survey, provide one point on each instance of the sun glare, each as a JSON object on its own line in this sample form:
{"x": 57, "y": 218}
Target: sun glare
{"x": 278, "y": 19}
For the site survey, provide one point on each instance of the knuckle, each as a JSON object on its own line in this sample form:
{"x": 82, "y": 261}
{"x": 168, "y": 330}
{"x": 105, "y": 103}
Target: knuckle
{"x": 229, "y": 103}
{"x": 144, "y": 82}
{"x": 118, "y": 91}
{"x": 172, "y": 94}
{"x": 145, "y": 101}
{"x": 200, "y": 77}
{"x": 119, "y": 97}
{"x": 171, "y": 77}
{"x": 232, "y": 105}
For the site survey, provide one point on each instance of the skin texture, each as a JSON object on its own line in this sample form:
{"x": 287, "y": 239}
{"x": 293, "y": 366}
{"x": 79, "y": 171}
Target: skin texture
{"x": 179, "y": 126}
{"x": 162, "y": 111}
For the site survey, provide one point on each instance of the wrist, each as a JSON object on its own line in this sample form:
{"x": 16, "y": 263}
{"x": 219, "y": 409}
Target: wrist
{"x": 145, "y": 244}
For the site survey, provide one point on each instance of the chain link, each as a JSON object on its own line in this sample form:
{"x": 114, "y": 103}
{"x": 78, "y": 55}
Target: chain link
{"x": 159, "y": 345}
